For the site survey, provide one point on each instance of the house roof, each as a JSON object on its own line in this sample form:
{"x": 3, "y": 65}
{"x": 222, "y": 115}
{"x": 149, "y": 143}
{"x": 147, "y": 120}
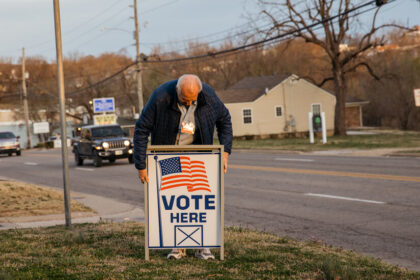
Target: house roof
{"x": 354, "y": 100}
{"x": 250, "y": 88}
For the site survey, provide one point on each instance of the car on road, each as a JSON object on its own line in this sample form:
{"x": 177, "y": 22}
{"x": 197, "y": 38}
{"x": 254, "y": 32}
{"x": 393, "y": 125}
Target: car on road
{"x": 102, "y": 142}
{"x": 9, "y": 143}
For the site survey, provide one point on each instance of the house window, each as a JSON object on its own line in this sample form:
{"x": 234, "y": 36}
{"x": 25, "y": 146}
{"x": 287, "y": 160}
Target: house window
{"x": 278, "y": 111}
{"x": 247, "y": 114}
{"x": 316, "y": 109}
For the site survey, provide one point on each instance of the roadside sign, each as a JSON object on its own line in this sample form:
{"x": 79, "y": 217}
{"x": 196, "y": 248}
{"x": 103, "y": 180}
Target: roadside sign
{"x": 184, "y": 198}
{"x": 104, "y": 119}
{"x": 103, "y": 105}
{"x": 417, "y": 97}
{"x": 41, "y": 127}
{"x": 57, "y": 143}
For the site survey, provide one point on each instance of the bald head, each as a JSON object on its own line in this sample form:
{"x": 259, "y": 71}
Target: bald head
{"x": 188, "y": 88}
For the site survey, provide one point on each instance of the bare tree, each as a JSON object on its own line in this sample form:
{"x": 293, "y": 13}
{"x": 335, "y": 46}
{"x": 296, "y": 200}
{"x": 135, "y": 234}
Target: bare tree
{"x": 326, "y": 23}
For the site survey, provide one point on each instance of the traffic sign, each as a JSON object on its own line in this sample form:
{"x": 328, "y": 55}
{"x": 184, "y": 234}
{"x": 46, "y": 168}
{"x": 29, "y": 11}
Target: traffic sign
{"x": 103, "y": 105}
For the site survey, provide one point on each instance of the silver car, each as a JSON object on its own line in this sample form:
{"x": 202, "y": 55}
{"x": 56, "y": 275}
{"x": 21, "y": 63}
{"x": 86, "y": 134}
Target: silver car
{"x": 9, "y": 143}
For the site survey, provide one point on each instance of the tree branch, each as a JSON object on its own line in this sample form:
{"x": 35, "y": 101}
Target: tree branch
{"x": 315, "y": 83}
{"x": 367, "y": 66}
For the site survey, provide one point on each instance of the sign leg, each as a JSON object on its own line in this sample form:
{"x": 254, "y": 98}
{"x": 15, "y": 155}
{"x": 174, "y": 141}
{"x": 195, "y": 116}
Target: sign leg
{"x": 146, "y": 222}
{"x": 222, "y": 204}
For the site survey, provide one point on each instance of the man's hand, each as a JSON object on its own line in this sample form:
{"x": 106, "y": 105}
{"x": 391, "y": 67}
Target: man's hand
{"x": 225, "y": 160}
{"x": 143, "y": 175}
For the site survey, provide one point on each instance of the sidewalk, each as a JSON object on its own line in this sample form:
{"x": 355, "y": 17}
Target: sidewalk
{"x": 378, "y": 152}
{"x": 382, "y": 152}
{"x": 106, "y": 209}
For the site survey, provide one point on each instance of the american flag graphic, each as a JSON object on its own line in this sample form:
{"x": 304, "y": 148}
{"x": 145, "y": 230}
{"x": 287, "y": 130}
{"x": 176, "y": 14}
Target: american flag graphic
{"x": 184, "y": 172}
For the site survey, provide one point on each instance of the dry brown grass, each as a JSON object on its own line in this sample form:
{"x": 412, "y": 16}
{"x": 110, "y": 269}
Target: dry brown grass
{"x": 21, "y": 199}
{"x": 116, "y": 251}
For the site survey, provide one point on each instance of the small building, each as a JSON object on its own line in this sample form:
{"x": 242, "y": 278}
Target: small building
{"x": 275, "y": 106}
{"x": 354, "y": 113}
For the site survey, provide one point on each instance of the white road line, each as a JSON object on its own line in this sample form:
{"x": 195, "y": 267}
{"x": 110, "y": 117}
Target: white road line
{"x": 295, "y": 159}
{"x": 344, "y": 198}
{"x": 84, "y": 169}
{"x": 30, "y": 163}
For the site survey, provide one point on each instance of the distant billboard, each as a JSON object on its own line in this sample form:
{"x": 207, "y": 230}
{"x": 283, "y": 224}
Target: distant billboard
{"x": 41, "y": 127}
{"x": 104, "y": 105}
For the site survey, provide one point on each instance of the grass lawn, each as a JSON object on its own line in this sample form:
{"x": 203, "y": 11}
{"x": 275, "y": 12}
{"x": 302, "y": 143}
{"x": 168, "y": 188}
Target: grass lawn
{"x": 116, "y": 251}
{"x": 21, "y": 199}
{"x": 382, "y": 140}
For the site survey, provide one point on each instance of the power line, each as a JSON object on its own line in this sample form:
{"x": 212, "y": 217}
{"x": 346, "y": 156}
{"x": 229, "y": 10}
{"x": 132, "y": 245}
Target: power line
{"x": 209, "y": 35}
{"x": 70, "y": 94}
{"x": 72, "y": 39}
{"x": 261, "y": 29}
{"x": 99, "y": 35}
{"x": 265, "y": 40}
{"x": 271, "y": 40}
{"x": 228, "y": 52}
{"x": 158, "y": 7}
{"x": 36, "y": 45}
{"x": 93, "y": 17}
{"x": 221, "y": 39}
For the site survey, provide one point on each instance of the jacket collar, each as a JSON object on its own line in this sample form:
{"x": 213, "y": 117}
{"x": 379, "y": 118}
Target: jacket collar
{"x": 201, "y": 101}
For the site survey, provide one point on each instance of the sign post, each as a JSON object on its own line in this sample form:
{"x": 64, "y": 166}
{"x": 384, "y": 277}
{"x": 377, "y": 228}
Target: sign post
{"x": 417, "y": 97}
{"x": 324, "y": 128}
{"x": 311, "y": 128}
{"x": 184, "y": 200}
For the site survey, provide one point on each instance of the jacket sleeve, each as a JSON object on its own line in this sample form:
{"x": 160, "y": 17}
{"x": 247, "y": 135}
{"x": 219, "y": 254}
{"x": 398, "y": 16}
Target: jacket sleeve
{"x": 224, "y": 127}
{"x": 144, "y": 126}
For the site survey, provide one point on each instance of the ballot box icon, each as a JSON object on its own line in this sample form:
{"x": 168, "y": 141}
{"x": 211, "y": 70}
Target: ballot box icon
{"x": 188, "y": 236}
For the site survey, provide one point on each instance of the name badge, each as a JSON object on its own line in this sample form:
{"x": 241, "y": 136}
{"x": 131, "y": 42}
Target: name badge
{"x": 188, "y": 127}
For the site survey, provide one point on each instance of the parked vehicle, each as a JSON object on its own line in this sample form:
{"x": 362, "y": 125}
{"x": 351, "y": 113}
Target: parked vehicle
{"x": 9, "y": 143}
{"x": 102, "y": 142}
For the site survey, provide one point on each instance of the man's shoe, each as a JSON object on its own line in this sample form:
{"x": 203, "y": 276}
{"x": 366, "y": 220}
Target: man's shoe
{"x": 177, "y": 254}
{"x": 204, "y": 254}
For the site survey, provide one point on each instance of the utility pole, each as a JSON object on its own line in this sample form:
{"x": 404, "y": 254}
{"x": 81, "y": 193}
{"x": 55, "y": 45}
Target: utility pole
{"x": 138, "y": 69}
{"x": 25, "y": 101}
{"x": 61, "y": 97}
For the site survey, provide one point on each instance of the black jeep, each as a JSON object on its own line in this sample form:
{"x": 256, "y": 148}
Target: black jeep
{"x": 99, "y": 142}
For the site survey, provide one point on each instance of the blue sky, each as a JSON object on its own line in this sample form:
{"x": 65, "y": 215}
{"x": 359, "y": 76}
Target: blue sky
{"x": 98, "y": 26}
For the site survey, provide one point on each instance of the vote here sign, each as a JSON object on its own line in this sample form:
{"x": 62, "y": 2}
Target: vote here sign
{"x": 184, "y": 199}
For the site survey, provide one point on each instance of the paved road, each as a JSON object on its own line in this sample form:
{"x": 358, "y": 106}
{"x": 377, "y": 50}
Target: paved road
{"x": 368, "y": 204}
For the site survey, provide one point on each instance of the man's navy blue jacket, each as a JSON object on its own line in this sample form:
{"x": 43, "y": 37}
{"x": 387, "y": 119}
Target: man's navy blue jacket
{"x": 161, "y": 115}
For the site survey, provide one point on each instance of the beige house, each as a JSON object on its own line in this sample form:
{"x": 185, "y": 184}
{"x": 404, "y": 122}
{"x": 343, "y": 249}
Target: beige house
{"x": 270, "y": 106}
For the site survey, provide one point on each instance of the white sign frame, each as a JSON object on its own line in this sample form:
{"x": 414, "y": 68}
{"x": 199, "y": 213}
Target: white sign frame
{"x": 214, "y": 153}
{"x": 104, "y": 100}
{"x": 41, "y": 127}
